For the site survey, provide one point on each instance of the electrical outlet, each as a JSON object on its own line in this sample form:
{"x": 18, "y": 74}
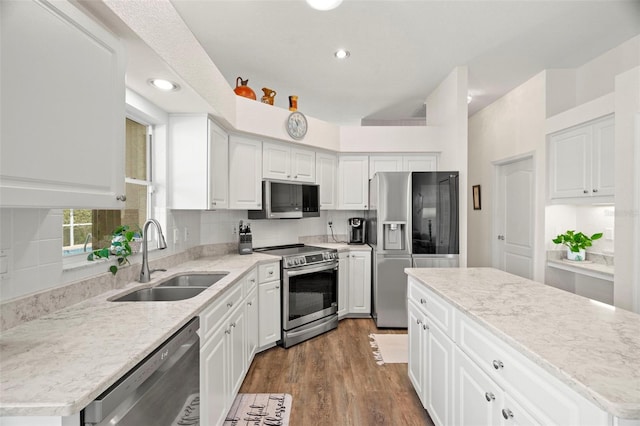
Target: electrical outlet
{"x": 608, "y": 234}
{"x": 234, "y": 230}
{"x": 176, "y": 236}
{"x": 186, "y": 234}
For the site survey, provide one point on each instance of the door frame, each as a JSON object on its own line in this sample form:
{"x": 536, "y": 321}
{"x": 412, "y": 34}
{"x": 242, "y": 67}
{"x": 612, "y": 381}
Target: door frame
{"x": 497, "y": 166}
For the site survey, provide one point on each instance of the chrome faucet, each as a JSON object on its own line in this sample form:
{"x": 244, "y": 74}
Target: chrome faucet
{"x": 145, "y": 273}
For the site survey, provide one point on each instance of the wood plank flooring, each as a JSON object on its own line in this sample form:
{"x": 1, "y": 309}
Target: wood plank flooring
{"x": 334, "y": 380}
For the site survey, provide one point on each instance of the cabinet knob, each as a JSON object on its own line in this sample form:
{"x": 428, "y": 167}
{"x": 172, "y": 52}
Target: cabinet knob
{"x": 425, "y": 327}
{"x": 418, "y": 321}
{"x": 270, "y": 272}
{"x": 497, "y": 364}
{"x": 253, "y": 280}
{"x": 233, "y": 324}
{"x": 594, "y": 190}
{"x": 365, "y": 206}
{"x": 277, "y": 286}
{"x": 249, "y": 303}
{"x": 423, "y": 301}
{"x": 586, "y": 191}
{"x": 230, "y": 304}
{"x": 228, "y": 331}
{"x": 507, "y": 414}
{"x": 288, "y": 176}
{"x": 295, "y": 177}
{"x": 121, "y": 197}
{"x": 213, "y": 203}
{"x": 489, "y": 396}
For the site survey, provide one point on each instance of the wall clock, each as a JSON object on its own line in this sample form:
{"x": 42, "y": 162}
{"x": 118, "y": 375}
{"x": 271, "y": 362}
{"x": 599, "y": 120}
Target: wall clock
{"x": 297, "y": 125}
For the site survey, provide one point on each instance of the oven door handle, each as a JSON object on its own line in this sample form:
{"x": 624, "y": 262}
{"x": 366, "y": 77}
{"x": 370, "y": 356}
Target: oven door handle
{"x": 310, "y": 269}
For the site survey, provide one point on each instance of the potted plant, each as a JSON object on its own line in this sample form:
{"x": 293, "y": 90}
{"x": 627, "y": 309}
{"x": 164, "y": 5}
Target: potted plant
{"x": 123, "y": 242}
{"x": 576, "y": 243}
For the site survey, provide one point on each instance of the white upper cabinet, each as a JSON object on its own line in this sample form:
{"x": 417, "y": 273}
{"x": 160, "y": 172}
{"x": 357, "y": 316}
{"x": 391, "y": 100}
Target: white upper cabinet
{"x": 245, "y": 173}
{"x": 326, "y": 178}
{"x": 353, "y": 182}
{"x": 199, "y": 163}
{"x": 402, "y": 163}
{"x": 287, "y": 162}
{"x": 581, "y": 161}
{"x": 63, "y": 108}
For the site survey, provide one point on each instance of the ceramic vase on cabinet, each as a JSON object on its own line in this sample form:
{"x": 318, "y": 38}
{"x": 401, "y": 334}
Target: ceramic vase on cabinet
{"x": 243, "y": 90}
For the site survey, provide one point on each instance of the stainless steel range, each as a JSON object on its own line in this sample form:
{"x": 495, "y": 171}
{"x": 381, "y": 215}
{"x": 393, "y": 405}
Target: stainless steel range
{"x": 309, "y": 291}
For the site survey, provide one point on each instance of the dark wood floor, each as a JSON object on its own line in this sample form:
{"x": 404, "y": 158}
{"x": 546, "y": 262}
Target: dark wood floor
{"x": 334, "y": 380}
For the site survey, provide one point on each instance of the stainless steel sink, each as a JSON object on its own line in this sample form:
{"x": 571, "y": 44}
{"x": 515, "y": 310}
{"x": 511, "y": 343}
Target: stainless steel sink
{"x": 161, "y": 294}
{"x": 180, "y": 287}
{"x": 194, "y": 280}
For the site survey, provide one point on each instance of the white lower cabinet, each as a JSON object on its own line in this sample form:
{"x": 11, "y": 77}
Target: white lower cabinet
{"x": 354, "y": 283}
{"x": 270, "y": 322}
{"x": 464, "y": 375}
{"x": 228, "y": 341}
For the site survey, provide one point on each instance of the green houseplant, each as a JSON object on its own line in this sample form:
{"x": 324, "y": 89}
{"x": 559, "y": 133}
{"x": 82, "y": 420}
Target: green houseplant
{"x": 121, "y": 240}
{"x": 576, "y": 243}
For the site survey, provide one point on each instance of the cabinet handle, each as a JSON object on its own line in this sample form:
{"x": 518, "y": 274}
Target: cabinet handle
{"x": 121, "y": 197}
{"x": 425, "y": 326}
{"x": 277, "y": 286}
{"x": 497, "y": 364}
{"x": 249, "y": 303}
{"x": 230, "y": 304}
{"x": 489, "y": 396}
{"x": 213, "y": 203}
{"x": 585, "y": 191}
{"x": 594, "y": 190}
{"x": 507, "y": 414}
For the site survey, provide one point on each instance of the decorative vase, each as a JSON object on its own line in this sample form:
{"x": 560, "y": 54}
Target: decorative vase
{"x": 293, "y": 103}
{"x": 269, "y": 96}
{"x": 576, "y": 256}
{"x": 243, "y": 90}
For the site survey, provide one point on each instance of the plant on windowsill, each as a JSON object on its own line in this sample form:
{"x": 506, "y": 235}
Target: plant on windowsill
{"x": 123, "y": 242}
{"x": 576, "y": 243}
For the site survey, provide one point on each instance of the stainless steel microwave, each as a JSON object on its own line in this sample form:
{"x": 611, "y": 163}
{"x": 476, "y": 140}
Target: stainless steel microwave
{"x": 287, "y": 200}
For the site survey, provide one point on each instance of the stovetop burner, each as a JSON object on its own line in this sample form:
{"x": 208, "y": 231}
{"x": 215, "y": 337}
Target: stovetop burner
{"x": 298, "y": 255}
{"x": 292, "y": 250}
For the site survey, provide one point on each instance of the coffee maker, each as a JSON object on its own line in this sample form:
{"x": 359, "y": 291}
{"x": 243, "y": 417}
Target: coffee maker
{"x": 356, "y": 230}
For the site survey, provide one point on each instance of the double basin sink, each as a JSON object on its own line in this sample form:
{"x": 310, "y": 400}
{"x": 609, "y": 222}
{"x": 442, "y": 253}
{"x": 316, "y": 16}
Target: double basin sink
{"x": 180, "y": 287}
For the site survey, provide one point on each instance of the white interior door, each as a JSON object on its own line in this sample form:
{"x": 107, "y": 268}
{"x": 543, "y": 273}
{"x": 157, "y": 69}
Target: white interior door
{"x": 514, "y": 218}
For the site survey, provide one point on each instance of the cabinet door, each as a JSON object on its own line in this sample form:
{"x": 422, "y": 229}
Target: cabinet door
{"x": 417, "y": 355}
{"x": 245, "y": 173}
{"x": 214, "y": 381}
{"x": 276, "y": 161}
{"x": 353, "y": 182}
{"x": 218, "y": 167}
{"x": 343, "y": 284}
{"x": 360, "y": 282}
{"x": 252, "y": 325}
{"x": 570, "y": 163}
{"x": 478, "y": 399}
{"x": 419, "y": 163}
{"x": 270, "y": 326}
{"x": 237, "y": 350}
{"x": 439, "y": 376}
{"x": 303, "y": 165}
{"x": 326, "y": 177}
{"x": 384, "y": 163}
{"x": 603, "y": 158}
{"x": 62, "y": 108}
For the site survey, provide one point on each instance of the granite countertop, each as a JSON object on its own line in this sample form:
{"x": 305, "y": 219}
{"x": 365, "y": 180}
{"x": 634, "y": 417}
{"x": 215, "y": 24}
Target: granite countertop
{"x": 57, "y": 364}
{"x": 592, "y": 347}
{"x": 607, "y": 271}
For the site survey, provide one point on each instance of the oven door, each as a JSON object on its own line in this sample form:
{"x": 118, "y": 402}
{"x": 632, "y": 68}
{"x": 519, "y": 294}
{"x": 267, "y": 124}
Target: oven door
{"x": 309, "y": 293}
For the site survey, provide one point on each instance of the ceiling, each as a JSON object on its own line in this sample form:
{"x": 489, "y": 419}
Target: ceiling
{"x": 400, "y": 50}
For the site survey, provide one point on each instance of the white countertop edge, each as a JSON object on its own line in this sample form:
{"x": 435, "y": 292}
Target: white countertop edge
{"x": 587, "y": 269}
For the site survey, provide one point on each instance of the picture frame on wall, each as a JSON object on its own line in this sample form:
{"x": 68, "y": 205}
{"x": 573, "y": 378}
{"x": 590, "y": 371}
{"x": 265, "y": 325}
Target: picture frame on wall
{"x": 476, "y": 197}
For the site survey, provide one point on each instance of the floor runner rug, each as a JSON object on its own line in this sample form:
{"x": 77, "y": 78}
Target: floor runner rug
{"x": 390, "y": 348}
{"x": 260, "y": 409}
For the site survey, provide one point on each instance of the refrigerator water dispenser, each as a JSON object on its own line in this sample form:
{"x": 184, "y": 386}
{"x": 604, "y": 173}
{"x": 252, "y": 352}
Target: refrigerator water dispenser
{"x": 393, "y": 236}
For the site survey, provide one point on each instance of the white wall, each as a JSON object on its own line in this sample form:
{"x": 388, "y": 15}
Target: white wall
{"x": 512, "y": 126}
{"x": 584, "y": 218}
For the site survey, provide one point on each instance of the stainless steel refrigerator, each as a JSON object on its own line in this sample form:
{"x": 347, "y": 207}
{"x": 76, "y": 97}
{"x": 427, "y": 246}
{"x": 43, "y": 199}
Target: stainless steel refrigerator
{"x": 412, "y": 222}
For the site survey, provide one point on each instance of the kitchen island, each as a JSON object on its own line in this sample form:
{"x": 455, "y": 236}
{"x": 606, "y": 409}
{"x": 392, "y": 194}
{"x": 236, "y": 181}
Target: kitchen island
{"x": 558, "y": 357}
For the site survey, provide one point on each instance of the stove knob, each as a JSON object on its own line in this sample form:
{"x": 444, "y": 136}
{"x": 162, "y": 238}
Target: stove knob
{"x": 296, "y": 261}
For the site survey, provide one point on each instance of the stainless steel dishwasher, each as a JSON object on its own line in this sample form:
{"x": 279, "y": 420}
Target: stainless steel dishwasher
{"x": 161, "y": 390}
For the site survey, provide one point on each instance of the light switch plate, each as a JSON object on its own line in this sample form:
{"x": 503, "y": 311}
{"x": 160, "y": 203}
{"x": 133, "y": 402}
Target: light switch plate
{"x": 608, "y": 234}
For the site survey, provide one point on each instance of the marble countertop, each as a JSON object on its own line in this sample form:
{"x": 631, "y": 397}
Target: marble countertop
{"x": 592, "y": 347}
{"x": 606, "y": 271}
{"x": 57, "y": 364}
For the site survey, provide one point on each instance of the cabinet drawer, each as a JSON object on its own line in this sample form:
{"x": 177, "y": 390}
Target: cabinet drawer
{"x": 542, "y": 395}
{"x": 250, "y": 281}
{"x": 211, "y": 316}
{"x": 440, "y": 312}
{"x": 269, "y": 272}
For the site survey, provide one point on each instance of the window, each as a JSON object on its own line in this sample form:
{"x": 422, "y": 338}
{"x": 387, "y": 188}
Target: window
{"x": 88, "y": 230}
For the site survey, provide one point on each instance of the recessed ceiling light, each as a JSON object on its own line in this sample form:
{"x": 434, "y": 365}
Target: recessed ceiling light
{"x": 324, "y": 4}
{"x": 164, "y": 85}
{"x": 342, "y": 54}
